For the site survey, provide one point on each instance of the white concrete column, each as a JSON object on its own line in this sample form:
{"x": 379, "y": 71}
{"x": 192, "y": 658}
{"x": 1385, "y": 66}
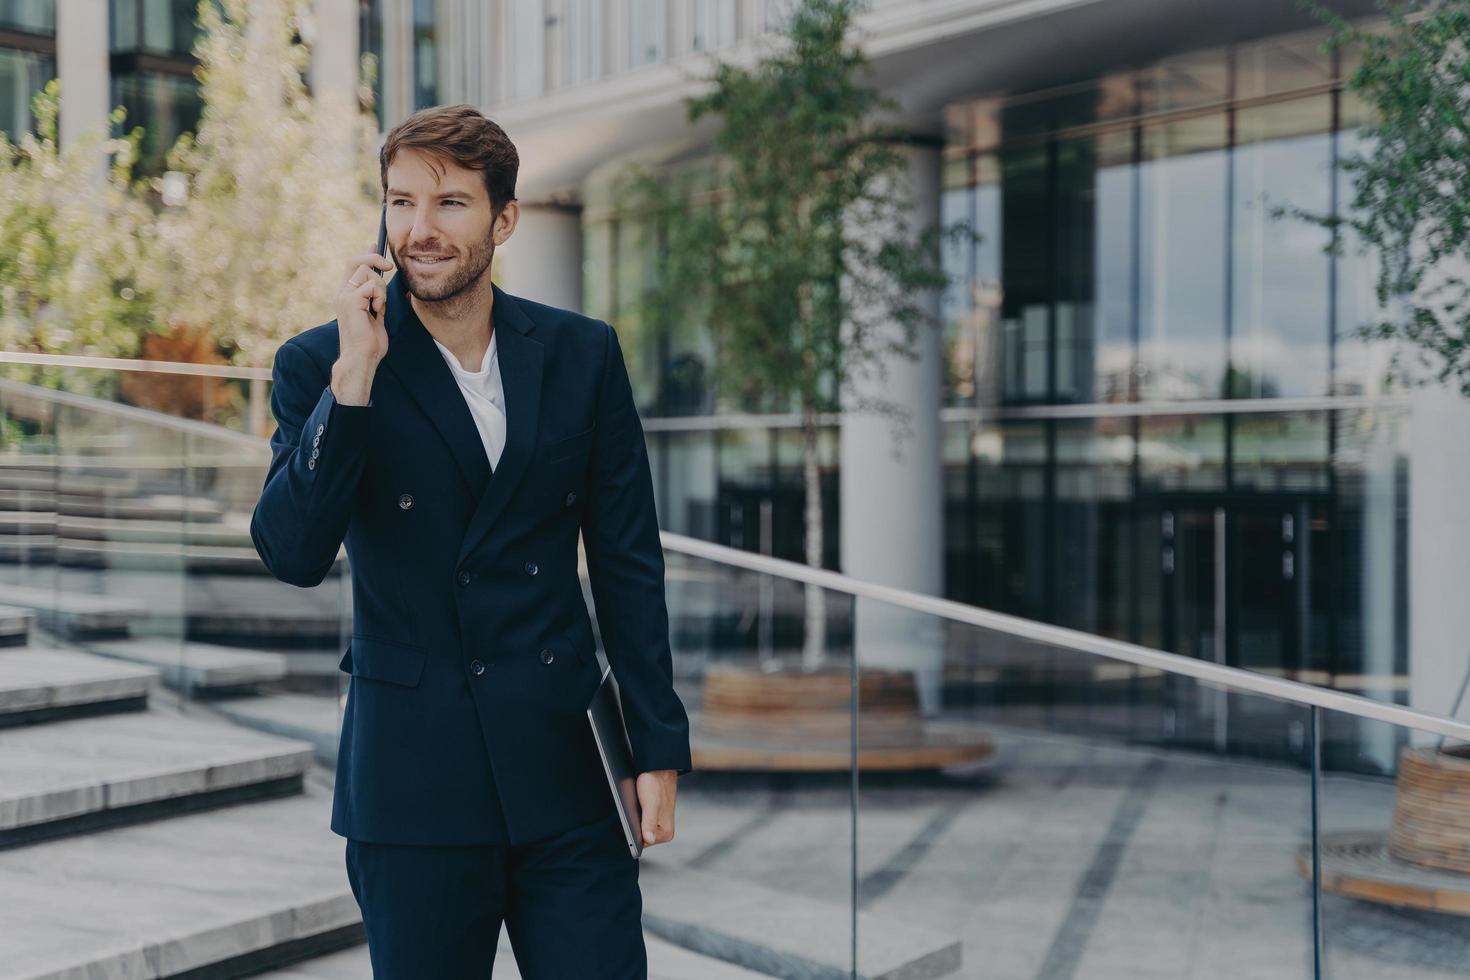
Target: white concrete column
{"x": 892, "y": 491}
{"x": 334, "y": 50}
{"x": 82, "y": 66}
{"x": 543, "y": 258}
{"x": 1439, "y": 550}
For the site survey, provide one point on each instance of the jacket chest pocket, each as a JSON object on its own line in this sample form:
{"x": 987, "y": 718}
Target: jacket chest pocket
{"x": 560, "y": 469}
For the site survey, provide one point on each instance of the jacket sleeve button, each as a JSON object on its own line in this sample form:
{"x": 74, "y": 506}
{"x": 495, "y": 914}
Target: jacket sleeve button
{"x": 547, "y": 656}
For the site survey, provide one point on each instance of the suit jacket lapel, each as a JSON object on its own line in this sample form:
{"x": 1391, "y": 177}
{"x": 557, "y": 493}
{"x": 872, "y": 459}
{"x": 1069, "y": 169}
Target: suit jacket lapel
{"x": 418, "y": 365}
{"x": 521, "y": 359}
{"x": 420, "y": 368}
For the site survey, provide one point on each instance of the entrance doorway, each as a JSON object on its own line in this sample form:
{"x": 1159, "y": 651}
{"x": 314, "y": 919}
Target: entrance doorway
{"x": 1236, "y": 585}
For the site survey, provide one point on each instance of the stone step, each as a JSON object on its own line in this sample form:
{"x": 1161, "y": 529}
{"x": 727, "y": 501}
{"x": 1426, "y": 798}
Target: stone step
{"x": 225, "y": 892}
{"x": 665, "y": 962}
{"x": 75, "y": 614}
{"x": 46, "y": 684}
{"x": 77, "y": 776}
{"x": 121, "y": 506}
{"x": 782, "y": 934}
{"x": 15, "y": 625}
{"x": 48, "y": 478}
{"x": 161, "y": 556}
{"x": 153, "y": 506}
{"x": 309, "y": 717}
{"x": 191, "y": 666}
{"x": 216, "y": 534}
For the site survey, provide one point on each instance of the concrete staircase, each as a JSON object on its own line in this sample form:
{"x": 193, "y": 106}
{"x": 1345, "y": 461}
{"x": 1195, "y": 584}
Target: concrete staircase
{"x": 121, "y": 830}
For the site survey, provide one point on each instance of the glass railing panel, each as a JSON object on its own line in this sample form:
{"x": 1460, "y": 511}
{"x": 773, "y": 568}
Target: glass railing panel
{"x": 1394, "y": 812}
{"x": 28, "y": 490}
{"x": 763, "y": 838}
{"x": 137, "y": 496}
{"x": 1027, "y": 810}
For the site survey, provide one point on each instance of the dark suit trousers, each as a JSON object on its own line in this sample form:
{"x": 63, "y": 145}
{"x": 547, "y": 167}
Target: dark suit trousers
{"x": 570, "y": 902}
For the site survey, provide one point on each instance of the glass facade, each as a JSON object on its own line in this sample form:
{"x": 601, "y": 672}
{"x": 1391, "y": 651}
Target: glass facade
{"x": 153, "y": 73}
{"x": 425, "y": 55}
{"x": 31, "y": 16}
{"x": 1129, "y": 226}
{"x": 1131, "y": 282}
{"x": 370, "y": 42}
{"x": 27, "y": 61}
{"x": 22, "y": 75}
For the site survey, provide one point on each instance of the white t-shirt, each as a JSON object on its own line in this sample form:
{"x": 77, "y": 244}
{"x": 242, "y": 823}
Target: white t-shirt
{"x": 484, "y": 396}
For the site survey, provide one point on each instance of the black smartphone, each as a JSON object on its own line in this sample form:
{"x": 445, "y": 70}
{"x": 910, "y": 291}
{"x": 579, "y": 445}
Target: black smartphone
{"x": 382, "y": 244}
{"x": 383, "y": 235}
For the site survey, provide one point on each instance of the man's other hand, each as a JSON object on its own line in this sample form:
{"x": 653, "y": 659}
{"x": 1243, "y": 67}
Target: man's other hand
{"x": 656, "y": 791}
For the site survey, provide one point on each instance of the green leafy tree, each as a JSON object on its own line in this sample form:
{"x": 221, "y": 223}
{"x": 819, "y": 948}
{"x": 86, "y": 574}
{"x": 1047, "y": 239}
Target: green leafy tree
{"x": 792, "y": 245}
{"x": 68, "y": 273}
{"x": 1411, "y": 184}
{"x": 281, "y": 187}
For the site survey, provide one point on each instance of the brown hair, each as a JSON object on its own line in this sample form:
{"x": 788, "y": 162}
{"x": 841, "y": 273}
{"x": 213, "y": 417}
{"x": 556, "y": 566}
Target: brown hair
{"x": 464, "y": 135}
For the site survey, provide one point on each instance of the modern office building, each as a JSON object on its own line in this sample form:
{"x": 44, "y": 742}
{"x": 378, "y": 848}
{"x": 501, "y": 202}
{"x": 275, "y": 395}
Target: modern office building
{"x": 1147, "y": 416}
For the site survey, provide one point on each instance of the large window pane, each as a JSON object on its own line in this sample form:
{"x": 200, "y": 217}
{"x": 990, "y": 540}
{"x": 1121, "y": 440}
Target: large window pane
{"x": 1182, "y": 215}
{"x": 370, "y": 42}
{"x": 167, "y": 27}
{"x": 425, "y": 55}
{"x": 22, "y": 75}
{"x": 164, "y": 105}
{"x": 1027, "y": 264}
{"x": 35, "y": 16}
{"x": 1279, "y": 320}
{"x": 969, "y": 306}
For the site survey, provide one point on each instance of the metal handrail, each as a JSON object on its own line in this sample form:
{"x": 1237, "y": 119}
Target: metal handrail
{"x": 137, "y": 364}
{"x": 791, "y": 420}
{"x": 1075, "y": 640}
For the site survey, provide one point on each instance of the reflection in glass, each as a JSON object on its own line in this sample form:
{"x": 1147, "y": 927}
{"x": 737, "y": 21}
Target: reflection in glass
{"x": 1094, "y": 496}
{"x": 22, "y": 75}
{"x": 635, "y": 250}
{"x": 370, "y": 41}
{"x": 165, "y": 105}
{"x": 1027, "y": 261}
{"x": 34, "y": 16}
{"x": 1182, "y": 215}
{"x": 1279, "y": 331}
{"x": 168, "y": 27}
{"x": 425, "y": 55}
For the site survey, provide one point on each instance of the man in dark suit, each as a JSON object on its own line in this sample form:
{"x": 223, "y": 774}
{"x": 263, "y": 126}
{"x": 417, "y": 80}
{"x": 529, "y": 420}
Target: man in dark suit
{"x": 460, "y": 438}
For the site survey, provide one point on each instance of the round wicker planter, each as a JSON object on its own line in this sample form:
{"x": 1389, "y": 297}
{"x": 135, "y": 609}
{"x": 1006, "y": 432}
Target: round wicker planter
{"x": 1431, "y": 813}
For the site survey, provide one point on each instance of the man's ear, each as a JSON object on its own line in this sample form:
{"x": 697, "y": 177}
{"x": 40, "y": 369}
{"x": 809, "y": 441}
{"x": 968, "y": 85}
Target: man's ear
{"x": 505, "y": 221}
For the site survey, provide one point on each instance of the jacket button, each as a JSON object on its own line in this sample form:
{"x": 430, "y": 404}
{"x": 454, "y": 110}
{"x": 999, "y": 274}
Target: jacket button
{"x": 405, "y": 501}
{"x": 464, "y": 578}
{"x": 547, "y": 656}
{"x": 531, "y": 568}
{"x": 571, "y": 497}
{"x": 311, "y": 463}
{"x": 320, "y": 428}
{"x": 477, "y": 667}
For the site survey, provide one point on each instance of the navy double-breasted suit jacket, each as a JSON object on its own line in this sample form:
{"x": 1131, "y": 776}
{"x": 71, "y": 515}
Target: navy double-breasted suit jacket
{"x": 472, "y": 653}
